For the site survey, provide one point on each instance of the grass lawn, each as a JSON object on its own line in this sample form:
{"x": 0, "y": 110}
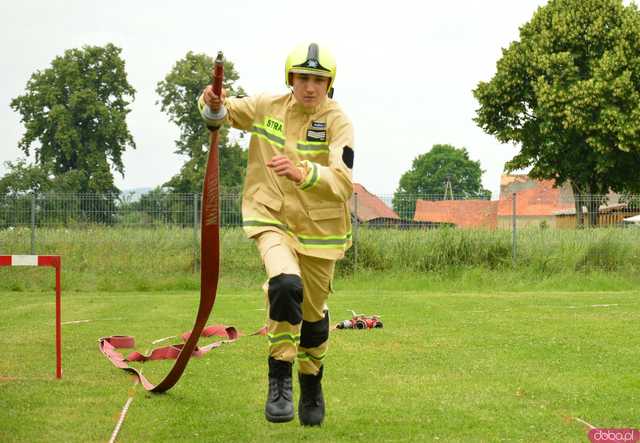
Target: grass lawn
{"x": 446, "y": 367}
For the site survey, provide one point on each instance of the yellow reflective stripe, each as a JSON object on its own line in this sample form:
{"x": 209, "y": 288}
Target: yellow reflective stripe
{"x": 259, "y": 222}
{"x": 271, "y": 130}
{"x": 328, "y": 242}
{"x": 265, "y": 134}
{"x": 325, "y": 237}
{"x": 313, "y": 177}
{"x": 311, "y": 148}
{"x": 324, "y": 242}
{"x": 339, "y": 246}
{"x": 283, "y": 336}
{"x": 318, "y": 242}
{"x": 201, "y": 104}
{"x": 305, "y": 356}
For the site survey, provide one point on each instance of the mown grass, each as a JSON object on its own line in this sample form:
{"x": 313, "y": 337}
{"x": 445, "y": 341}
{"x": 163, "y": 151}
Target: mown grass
{"x": 448, "y": 366}
{"x": 134, "y": 259}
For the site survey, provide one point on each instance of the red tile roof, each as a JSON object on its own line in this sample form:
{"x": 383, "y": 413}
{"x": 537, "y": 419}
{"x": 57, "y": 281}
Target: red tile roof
{"x": 370, "y": 206}
{"x": 534, "y": 197}
{"x": 462, "y": 213}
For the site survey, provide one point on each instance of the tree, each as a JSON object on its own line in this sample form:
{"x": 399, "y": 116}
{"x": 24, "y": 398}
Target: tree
{"x": 569, "y": 93}
{"x": 432, "y": 172}
{"x": 179, "y": 92}
{"x": 76, "y": 110}
{"x": 23, "y": 178}
{"x": 28, "y": 187}
{"x": 20, "y": 180}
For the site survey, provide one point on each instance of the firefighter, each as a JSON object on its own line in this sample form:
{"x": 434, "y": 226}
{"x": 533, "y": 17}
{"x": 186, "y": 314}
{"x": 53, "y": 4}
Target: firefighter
{"x": 295, "y": 205}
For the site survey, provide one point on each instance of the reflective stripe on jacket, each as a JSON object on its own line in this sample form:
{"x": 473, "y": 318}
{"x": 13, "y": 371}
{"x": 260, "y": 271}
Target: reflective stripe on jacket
{"x": 314, "y": 214}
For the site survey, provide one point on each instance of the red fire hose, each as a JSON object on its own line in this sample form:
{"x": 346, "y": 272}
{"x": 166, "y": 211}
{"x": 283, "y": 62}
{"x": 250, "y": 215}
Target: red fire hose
{"x": 209, "y": 259}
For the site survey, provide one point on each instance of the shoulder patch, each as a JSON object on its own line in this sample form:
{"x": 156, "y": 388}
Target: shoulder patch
{"x": 347, "y": 156}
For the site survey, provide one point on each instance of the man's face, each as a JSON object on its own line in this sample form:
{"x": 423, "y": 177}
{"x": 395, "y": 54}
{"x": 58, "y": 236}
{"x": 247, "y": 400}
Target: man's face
{"x": 309, "y": 90}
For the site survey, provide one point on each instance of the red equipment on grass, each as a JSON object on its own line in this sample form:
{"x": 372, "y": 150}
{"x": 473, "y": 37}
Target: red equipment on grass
{"x": 209, "y": 259}
{"x": 361, "y": 321}
{"x": 43, "y": 260}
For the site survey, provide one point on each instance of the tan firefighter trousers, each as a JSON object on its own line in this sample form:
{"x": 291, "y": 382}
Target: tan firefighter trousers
{"x": 297, "y": 290}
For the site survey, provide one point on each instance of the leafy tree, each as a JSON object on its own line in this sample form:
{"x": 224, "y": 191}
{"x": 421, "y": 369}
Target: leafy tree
{"x": 430, "y": 173}
{"x": 569, "y": 93}
{"x": 76, "y": 112}
{"x": 179, "y": 92}
{"x": 163, "y": 207}
{"x": 23, "y": 178}
{"x": 56, "y": 199}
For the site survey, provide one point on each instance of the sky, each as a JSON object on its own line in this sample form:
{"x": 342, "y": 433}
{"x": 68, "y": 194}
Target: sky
{"x": 405, "y": 76}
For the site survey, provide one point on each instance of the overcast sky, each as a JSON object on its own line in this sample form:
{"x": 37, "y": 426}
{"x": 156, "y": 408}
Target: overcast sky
{"x": 406, "y": 69}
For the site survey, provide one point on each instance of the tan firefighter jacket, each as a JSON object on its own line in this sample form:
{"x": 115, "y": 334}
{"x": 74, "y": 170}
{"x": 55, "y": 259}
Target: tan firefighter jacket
{"x": 314, "y": 214}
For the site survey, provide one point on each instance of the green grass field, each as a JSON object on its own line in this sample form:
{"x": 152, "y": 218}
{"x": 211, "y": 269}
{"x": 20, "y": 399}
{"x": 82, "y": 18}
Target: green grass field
{"x": 448, "y": 366}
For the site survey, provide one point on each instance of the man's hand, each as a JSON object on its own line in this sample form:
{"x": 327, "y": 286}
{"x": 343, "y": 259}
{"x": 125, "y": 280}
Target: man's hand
{"x": 284, "y": 167}
{"x": 213, "y": 101}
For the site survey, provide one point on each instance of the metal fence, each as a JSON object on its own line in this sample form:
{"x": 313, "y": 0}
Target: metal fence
{"x": 517, "y": 213}
{"x": 77, "y": 210}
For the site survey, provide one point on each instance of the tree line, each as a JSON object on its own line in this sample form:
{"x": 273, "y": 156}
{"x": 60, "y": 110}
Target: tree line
{"x": 74, "y": 113}
{"x": 567, "y": 92}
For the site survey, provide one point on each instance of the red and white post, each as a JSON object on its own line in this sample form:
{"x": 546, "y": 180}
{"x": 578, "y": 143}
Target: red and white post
{"x": 43, "y": 260}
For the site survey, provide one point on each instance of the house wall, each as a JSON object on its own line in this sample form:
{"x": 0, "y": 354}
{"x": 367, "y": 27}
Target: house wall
{"x": 614, "y": 218}
{"x": 526, "y": 221}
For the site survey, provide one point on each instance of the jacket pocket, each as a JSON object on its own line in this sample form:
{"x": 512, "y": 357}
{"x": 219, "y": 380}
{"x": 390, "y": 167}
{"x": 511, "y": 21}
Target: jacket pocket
{"x": 317, "y": 214}
{"x": 268, "y": 199}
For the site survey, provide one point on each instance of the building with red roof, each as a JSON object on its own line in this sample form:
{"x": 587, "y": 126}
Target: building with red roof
{"x": 368, "y": 208}
{"x": 465, "y": 214}
{"x": 537, "y": 201}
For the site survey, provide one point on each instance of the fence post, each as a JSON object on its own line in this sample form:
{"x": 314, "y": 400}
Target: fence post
{"x": 33, "y": 224}
{"x": 513, "y": 222}
{"x": 355, "y": 232}
{"x": 195, "y": 232}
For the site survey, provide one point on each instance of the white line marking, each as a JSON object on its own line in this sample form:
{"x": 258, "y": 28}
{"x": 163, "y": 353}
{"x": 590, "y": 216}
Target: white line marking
{"x": 74, "y": 322}
{"x": 584, "y": 422}
{"x": 574, "y": 306}
{"x": 123, "y": 413}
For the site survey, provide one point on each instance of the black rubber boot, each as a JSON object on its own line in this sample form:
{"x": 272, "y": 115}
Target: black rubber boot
{"x": 279, "y": 407}
{"x": 311, "y": 404}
